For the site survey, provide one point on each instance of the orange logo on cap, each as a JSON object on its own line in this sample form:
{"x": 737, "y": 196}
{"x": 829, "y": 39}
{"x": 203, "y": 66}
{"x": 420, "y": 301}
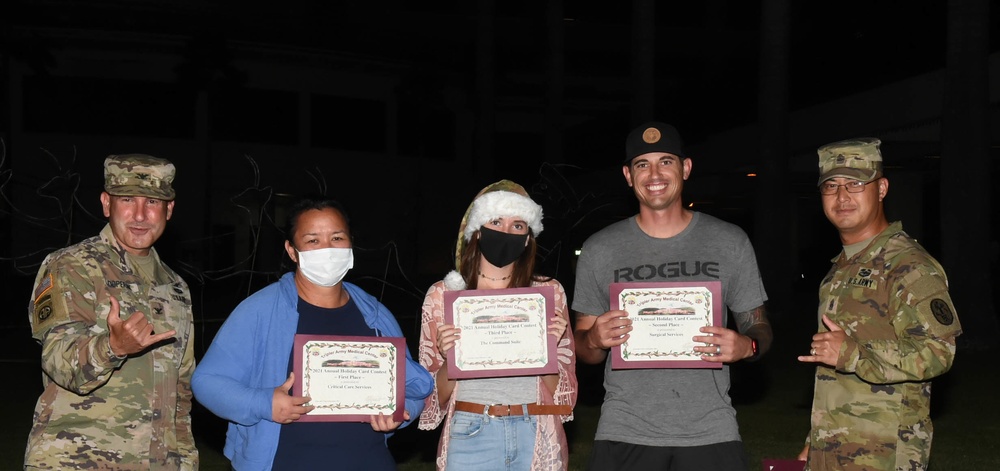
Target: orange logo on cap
{"x": 651, "y": 136}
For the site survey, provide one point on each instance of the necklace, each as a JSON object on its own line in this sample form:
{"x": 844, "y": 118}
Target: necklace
{"x": 503, "y": 278}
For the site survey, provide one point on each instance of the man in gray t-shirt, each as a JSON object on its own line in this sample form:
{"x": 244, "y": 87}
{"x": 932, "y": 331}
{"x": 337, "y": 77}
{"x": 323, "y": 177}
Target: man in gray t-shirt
{"x": 667, "y": 419}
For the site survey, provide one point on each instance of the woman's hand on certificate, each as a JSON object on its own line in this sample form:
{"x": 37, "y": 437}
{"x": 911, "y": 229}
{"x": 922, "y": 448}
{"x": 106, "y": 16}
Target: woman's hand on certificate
{"x": 384, "y": 423}
{"x": 447, "y": 335}
{"x": 286, "y": 409}
{"x": 557, "y": 326}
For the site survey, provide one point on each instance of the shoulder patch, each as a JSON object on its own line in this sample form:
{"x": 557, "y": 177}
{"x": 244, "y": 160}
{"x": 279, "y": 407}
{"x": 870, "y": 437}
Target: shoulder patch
{"x": 47, "y": 309}
{"x": 942, "y": 312}
{"x": 43, "y": 312}
{"x": 43, "y": 287}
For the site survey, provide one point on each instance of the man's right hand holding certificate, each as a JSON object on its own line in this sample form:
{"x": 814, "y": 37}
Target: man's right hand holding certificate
{"x": 595, "y": 335}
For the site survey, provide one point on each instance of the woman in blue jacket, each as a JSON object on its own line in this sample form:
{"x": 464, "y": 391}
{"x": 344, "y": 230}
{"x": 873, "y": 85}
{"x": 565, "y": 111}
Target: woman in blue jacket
{"x": 245, "y": 376}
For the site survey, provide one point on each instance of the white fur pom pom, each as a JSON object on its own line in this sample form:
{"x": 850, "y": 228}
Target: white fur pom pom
{"x": 454, "y": 281}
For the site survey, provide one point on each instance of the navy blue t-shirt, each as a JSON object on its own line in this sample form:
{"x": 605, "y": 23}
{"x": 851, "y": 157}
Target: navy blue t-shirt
{"x": 331, "y": 445}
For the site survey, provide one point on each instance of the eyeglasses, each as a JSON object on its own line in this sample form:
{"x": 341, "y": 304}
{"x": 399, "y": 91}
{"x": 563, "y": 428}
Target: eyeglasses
{"x": 853, "y": 186}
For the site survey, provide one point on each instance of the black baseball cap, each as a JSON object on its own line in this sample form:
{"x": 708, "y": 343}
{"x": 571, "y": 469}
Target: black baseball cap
{"x": 653, "y": 136}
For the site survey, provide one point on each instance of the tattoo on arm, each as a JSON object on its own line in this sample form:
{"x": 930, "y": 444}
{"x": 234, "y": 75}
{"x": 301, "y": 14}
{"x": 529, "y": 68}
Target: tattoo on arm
{"x": 754, "y": 323}
{"x": 747, "y": 319}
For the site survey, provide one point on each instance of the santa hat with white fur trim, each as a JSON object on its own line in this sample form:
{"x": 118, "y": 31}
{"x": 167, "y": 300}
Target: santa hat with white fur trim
{"x": 501, "y": 199}
{"x": 503, "y": 204}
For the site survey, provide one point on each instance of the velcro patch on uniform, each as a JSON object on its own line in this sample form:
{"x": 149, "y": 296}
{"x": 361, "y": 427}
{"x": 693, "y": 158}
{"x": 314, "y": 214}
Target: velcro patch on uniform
{"x": 118, "y": 284}
{"x": 863, "y": 279}
{"x": 43, "y": 287}
{"x": 942, "y": 312}
{"x": 48, "y": 310}
{"x": 918, "y": 286}
{"x": 43, "y": 312}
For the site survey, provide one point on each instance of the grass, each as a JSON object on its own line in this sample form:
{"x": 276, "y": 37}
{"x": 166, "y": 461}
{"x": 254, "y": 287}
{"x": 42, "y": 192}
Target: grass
{"x": 772, "y": 400}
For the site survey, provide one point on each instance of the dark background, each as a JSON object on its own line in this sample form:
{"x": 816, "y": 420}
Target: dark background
{"x": 403, "y": 110}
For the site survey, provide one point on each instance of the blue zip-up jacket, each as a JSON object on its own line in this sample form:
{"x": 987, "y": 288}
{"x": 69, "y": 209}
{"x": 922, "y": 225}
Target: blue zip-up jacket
{"x": 249, "y": 358}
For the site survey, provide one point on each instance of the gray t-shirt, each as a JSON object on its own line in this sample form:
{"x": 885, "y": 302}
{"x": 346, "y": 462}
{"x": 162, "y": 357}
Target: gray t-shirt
{"x": 505, "y": 390}
{"x": 668, "y": 407}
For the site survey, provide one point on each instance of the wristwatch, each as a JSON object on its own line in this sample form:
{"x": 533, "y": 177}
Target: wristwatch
{"x": 753, "y": 345}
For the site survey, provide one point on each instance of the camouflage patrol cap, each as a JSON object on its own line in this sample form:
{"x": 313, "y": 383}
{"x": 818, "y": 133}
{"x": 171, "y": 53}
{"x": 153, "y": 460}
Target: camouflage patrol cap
{"x": 139, "y": 175}
{"x": 858, "y": 159}
{"x": 653, "y": 137}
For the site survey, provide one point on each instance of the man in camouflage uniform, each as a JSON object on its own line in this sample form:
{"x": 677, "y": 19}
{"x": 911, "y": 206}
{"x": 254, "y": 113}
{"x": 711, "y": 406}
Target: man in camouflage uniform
{"x": 887, "y": 326}
{"x": 115, "y": 325}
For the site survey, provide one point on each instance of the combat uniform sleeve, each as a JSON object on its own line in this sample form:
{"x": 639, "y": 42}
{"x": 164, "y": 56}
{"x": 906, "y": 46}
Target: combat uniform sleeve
{"x": 185, "y": 436}
{"x": 71, "y": 326}
{"x": 925, "y": 325}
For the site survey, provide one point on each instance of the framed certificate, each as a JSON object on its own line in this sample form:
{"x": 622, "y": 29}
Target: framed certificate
{"x": 349, "y": 379}
{"x": 665, "y": 317}
{"x": 504, "y": 332}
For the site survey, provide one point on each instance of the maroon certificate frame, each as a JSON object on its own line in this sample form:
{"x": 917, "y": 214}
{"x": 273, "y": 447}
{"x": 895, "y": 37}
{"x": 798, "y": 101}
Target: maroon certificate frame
{"x": 665, "y": 317}
{"x": 348, "y": 378}
{"x": 504, "y": 332}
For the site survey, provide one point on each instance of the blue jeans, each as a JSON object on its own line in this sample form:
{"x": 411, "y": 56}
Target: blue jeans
{"x": 480, "y": 442}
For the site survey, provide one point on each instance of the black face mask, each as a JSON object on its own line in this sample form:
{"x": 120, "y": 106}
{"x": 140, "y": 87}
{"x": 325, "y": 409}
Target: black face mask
{"x": 500, "y": 248}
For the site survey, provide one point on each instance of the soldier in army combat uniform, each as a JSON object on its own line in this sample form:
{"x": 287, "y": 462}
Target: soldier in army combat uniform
{"x": 886, "y": 327}
{"x": 115, "y": 326}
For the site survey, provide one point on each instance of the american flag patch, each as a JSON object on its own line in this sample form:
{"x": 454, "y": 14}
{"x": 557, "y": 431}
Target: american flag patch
{"x": 43, "y": 287}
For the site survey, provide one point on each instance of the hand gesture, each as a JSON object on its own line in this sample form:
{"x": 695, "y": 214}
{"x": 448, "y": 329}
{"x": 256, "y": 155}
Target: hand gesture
{"x": 610, "y": 329}
{"x": 825, "y": 347}
{"x": 286, "y": 409}
{"x": 724, "y": 345}
{"x": 133, "y": 335}
{"x": 447, "y": 335}
{"x": 384, "y": 423}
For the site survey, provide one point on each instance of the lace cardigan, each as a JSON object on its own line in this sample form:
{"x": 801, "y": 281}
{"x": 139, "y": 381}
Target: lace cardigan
{"x": 551, "y": 450}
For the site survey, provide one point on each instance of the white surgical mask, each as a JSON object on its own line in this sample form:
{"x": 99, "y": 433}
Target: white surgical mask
{"x": 326, "y": 267}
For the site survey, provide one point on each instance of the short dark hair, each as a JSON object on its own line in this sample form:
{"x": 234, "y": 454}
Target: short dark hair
{"x": 308, "y": 203}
